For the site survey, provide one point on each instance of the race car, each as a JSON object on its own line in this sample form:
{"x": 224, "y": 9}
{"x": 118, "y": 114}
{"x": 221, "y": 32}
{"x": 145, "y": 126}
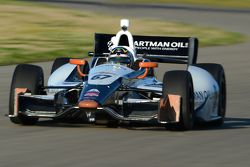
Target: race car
{"x": 120, "y": 87}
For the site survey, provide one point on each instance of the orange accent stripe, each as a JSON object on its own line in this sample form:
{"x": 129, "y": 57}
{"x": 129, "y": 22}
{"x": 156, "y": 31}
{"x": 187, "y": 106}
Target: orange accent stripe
{"x": 80, "y": 72}
{"x": 88, "y": 104}
{"x": 77, "y": 61}
{"x": 148, "y": 64}
{"x": 144, "y": 74}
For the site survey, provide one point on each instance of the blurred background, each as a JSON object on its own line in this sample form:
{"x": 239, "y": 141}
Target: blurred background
{"x": 40, "y": 30}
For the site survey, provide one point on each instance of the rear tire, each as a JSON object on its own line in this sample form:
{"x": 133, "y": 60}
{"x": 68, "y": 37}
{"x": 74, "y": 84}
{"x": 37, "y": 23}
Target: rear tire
{"x": 217, "y": 71}
{"x": 58, "y": 62}
{"x": 64, "y": 60}
{"x": 180, "y": 83}
{"x": 30, "y": 77}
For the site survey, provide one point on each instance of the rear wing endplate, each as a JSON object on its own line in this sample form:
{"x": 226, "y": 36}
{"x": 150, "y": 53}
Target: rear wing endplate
{"x": 181, "y": 50}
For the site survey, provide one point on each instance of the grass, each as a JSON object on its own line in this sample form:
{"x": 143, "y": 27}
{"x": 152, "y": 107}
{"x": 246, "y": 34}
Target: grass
{"x": 212, "y": 3}
{"x": 31, "y": 33}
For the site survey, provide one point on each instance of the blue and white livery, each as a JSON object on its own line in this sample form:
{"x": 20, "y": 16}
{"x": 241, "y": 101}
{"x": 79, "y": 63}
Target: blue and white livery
{"x": 119, "y": 86}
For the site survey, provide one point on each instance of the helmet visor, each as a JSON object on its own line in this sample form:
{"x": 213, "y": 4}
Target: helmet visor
{"x": 120, "y": 60}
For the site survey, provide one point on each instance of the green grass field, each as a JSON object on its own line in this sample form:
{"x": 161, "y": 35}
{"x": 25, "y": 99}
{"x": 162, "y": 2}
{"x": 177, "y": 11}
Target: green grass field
{"x": 212, "y": 3}
{"x": 31, "y": 32}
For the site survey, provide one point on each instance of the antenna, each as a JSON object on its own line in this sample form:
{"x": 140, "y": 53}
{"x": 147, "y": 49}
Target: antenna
{"x": 124, "y": 24}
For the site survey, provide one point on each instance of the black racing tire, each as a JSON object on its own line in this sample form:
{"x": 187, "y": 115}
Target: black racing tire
{"x": 180, "y": 82}
{"x": 58, "y": 62}
{"x": 217, "y": 71}
{"x": 25, "y": 76}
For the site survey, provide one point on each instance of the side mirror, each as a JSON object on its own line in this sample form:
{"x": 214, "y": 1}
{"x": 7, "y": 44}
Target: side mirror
{"x": 148, "y": 64}
{"x": 90, "y": 54}
{"x": 79, "y": 63}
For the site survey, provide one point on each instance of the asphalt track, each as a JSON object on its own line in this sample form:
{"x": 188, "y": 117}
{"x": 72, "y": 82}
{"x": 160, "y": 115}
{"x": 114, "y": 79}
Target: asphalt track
{"x": 50, "y": 144}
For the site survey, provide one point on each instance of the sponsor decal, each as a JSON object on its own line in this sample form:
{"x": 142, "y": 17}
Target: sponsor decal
{"x": 216, "y": 99}
{"x": 158, "y": 85}
{"x": 201, "y": 95}
{"x": 69, "y": 83}
{"x": 92, "y": 93}
{"x": 100, "y": 77}
{"x": 158, "y": 45}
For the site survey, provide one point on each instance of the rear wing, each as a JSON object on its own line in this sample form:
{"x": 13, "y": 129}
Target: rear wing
{"x": 181, "y": 50}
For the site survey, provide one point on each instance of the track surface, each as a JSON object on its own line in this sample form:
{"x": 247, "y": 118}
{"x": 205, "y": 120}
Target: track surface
{"x": 50, "y": 144}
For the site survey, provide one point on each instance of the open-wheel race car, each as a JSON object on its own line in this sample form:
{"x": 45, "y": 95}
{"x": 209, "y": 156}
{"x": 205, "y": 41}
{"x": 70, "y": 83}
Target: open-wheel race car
{"x": 119, "y": 86}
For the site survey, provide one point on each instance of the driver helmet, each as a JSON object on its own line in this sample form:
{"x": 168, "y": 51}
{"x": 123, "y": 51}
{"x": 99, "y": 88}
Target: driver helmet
{"x": 121, "y": 55}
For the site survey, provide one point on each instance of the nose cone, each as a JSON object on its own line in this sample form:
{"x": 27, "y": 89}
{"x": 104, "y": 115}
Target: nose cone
{"x": 91, "y": 104}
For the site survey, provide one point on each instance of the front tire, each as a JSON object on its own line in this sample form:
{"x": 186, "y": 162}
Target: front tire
{"x": 30, "y": 77}
{"x": 180, "y": 83}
